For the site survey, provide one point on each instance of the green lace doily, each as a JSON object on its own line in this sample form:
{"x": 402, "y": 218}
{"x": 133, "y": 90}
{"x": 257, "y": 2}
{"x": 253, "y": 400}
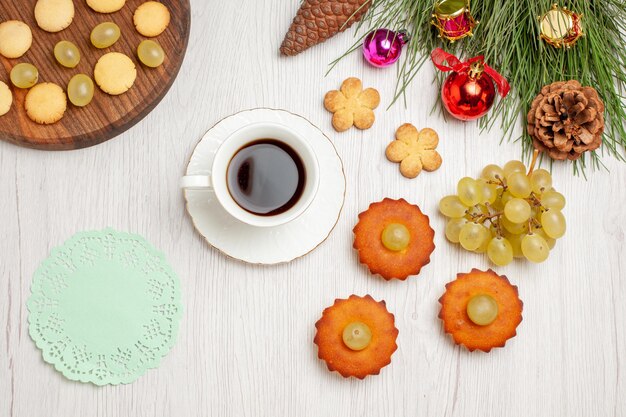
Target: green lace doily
{"x": 105, "y": 307}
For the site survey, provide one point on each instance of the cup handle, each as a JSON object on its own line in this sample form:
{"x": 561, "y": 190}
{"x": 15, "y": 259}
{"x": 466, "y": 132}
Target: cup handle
{"x": 196, "y": 182}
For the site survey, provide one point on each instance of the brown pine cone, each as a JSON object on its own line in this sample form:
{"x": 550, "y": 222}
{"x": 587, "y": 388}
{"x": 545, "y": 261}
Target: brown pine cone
{"x": 566, "y": 119}
{"x": 318, "y": 20}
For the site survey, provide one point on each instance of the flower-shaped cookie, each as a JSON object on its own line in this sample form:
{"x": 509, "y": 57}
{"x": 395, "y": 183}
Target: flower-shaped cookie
{"x": 351, "y": 105}
{"x": 415, "y": 150}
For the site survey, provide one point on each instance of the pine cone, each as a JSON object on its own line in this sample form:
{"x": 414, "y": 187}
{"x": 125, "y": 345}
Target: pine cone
{"x": 318, "y": 20}
{"x": 566, "y": 119}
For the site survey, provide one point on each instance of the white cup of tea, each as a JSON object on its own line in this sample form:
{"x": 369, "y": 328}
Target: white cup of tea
{"x": 264, "y": 174}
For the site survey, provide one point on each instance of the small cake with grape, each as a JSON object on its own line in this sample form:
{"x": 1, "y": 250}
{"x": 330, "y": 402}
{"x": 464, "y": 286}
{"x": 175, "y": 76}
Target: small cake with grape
{"x": 356, "y": 336}
{"x": 481, "y": 310}
{"x": 394, "y": 239}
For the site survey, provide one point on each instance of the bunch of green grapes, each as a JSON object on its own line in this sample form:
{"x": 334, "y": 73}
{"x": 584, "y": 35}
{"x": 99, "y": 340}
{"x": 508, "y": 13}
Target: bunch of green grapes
{"x": 506, "y": 213}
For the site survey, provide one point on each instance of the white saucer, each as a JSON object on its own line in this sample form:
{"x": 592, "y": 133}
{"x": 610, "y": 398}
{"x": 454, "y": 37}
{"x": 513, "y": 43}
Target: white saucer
{"x": 267, "y": 245}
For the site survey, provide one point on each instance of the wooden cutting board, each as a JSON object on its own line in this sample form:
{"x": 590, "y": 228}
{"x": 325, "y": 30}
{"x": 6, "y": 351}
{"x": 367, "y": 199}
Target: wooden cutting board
{"x": 106, "y": 116}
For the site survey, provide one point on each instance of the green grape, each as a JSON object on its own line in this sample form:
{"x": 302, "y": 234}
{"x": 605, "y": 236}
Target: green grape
{"x": 500, "y": 251}
{"x": 519, "y": 185}
{"x": 469, "y": 191}
{"x": 482, "y": 309}
{"x": 553, "y": 200}
{"x": 549, "y": 240}
{"x": 105, "y": 35}
{"x": 553, "y": 223}
{"x": 506, "y": 197}
{"x": 80, "y": 90}
{"x": 396, "y": 237}
{"x": 24, "y": 75}
{"x": 357, "y": 335}
{"x": 489, "y": 192}
{"x": 535, "y": 248}
{"x": 487, "y": 234}
{"x": 513, "y": 166}
{"x": 150, "y": 53}
{"x": 453, "y": 229}
{"x": 473, "y": 235}
{"x": 492, "y": 173}
{"x": 451, "y": 206}
{"x": 67, "y": 54}
{"x": 517, "y": 210}
{"x": 540, "y": 180}
{"x": 498, "y": 205}
{"x": 516, "y": 243}
{"x": 515, "y": 228}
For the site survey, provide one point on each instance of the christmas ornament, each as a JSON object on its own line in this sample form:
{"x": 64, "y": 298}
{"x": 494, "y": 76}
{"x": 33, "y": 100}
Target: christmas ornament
{"x": 566, "y": 119}
{"x": 453, "y": 19}
{"x": 560, "y": 27}
{"x": 468, "y": 93}
{"x": 383, "y": 47}
{"x": 318, "y": 20}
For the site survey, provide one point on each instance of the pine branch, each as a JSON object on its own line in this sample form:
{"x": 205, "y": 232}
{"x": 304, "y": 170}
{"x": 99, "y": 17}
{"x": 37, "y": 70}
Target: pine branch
{"x": 508, "y": 36}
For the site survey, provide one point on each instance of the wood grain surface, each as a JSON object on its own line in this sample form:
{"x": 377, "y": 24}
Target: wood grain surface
{"x": 106, "y": 116}
{"x": 245, "y": 346}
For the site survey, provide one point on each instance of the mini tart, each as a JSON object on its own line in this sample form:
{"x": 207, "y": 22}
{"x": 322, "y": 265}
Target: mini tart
{"x": 457, "y": 323}
{"x": 380, "y": 260}
{"x": 333, "y": 350}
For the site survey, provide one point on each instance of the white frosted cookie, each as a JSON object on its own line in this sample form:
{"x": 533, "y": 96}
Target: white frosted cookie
{"x": 6, "y": 98}
{"x": 15, "y": 38}
{"x": 106, "y": 6}
{"x": 115, "y": 73}
{"x": 45, "y": 103}
{"x": 54, "y": 15}
{"x": 151, "y": 18}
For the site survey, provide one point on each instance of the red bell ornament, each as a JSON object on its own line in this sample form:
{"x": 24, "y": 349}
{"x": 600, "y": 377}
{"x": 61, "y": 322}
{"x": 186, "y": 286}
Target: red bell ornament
{"x": 469, "y": 92}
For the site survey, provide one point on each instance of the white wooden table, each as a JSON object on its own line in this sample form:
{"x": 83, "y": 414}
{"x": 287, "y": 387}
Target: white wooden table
{"x": 246, "y": 342}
